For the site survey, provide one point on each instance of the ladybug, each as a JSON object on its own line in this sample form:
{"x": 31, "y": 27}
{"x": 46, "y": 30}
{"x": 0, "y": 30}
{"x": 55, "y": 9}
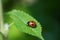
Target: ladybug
{"x": 32, "y": 24}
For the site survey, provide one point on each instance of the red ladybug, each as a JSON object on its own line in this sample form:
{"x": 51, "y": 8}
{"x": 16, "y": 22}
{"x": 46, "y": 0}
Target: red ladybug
{"x": 32, "y": 24}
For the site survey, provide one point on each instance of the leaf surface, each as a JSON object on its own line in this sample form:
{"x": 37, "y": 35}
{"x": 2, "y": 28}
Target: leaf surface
{"x": 20, "y": 19}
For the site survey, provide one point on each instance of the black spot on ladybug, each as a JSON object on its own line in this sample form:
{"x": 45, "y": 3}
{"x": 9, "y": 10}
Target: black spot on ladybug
{"x": 32, "y": 24}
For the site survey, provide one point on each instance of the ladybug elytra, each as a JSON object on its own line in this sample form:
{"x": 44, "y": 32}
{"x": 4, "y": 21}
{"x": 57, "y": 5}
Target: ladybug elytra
{"x": 32, "y": 24}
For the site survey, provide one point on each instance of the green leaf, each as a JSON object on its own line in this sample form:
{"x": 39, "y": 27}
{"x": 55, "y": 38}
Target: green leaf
{"x": 20, "y": 19}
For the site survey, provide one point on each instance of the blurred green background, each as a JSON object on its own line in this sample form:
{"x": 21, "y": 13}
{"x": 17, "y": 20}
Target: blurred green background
{"x": 47, "y": 12}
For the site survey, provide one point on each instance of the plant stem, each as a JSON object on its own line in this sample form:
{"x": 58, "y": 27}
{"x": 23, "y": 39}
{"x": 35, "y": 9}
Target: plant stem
{"x": 1, "y": 16}
{"x": 2, "y": 29}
